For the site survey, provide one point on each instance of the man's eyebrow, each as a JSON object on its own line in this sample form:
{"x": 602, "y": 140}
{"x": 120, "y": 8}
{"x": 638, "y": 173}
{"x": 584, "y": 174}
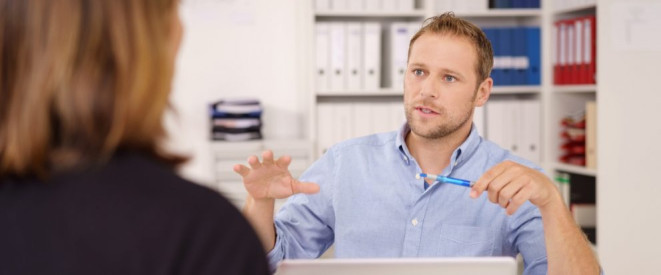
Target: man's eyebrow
{"x": 453, "y": 72}
{"x": 445, "y": 70}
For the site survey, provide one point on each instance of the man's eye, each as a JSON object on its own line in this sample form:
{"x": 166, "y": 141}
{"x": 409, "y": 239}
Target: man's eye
{"x": 418, "y": 72}
{"x": 449, "y": 78}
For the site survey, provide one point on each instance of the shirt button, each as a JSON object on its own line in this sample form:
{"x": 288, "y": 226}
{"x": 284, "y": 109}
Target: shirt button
{"x": 414, "y": 222}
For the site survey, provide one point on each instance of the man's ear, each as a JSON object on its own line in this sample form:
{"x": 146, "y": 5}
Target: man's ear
{"x": 483, "y": 92}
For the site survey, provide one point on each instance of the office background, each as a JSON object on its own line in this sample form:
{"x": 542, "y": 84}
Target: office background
{"x": 265, "y": 49}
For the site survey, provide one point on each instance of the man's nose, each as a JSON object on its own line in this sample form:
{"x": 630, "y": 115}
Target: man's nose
{"x": 430, "y": 87}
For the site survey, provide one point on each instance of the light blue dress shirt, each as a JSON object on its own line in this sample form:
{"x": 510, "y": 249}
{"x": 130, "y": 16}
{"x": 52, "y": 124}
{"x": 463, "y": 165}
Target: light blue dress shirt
{"x": 371, "y": 205}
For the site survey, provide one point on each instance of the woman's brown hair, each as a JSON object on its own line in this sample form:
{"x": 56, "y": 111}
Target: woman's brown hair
{"x": 82, "y": 79}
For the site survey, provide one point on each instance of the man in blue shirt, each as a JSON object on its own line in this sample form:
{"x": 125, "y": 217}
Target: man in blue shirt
{"x": 363, "y": 196}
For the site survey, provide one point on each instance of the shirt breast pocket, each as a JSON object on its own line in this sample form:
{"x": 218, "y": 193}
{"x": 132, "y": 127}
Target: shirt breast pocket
{"x": 465, "y": 241}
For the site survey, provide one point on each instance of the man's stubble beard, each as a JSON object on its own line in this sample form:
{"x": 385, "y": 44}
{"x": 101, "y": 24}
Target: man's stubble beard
{"x": 437, "y": 132}
{"x": 443, "y": 130}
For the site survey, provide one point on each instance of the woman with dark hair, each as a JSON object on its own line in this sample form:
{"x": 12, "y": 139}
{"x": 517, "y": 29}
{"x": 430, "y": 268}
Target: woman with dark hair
{"x": 86, "y": 186}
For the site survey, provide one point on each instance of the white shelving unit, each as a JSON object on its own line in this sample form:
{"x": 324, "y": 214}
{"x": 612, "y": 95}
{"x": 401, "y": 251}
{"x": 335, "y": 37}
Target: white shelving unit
{"x": 563, "y": 100}
{"x": 575, "y": 169}
{"x": 502, "y": 13}
{"x": 555, "y": 101}
{"x": 371, "y": 14}
{"x": 575, "y": 89}
{"x": 560, "y": 101}
{"x": 422, "y": 10}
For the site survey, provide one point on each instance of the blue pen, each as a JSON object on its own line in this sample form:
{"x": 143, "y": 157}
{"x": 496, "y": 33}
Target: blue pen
{"x": 445, "y": 179}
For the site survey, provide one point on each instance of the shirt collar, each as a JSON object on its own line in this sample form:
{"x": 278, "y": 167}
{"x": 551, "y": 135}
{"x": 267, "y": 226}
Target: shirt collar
{"x": 466, "y": 149}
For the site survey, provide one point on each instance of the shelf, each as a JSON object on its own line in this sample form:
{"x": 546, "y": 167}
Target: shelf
{"x": 501, "y": 13}
{"x": 361, "y": 93}
{"x": 575, "y": 169}
{"x": 506, "y": 90}
{"x": 584, "y": 88}
{"x": 576, "y": 8}
{"x": 371, "y": 14}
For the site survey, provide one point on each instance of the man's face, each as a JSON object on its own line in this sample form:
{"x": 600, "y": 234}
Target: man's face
{"x": 440, "y": 85}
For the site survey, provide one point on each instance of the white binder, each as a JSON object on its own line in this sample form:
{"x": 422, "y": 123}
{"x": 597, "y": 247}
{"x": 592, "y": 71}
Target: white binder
{"x": 337, "y": 56}
{"x": 383, "y": 117}
{"x": 325, "y": 127}
{"x": 343, "y": 118}
{"x": 398, "y": 115}
{"x": 322, "y": 44}
{"x": 364, "y": 118}
{"x": 373, "y": 5}
{"x": 405, "y": 5}
{"x": 322, "y": 5}
{"x": 340, "y": 5}
{"x": 389, "y": 5}
{"x": 354, "y": 56}
{"x": 578, "y": 47}
{"x": 372, "y": 56}
{"x": 529, "y": 130}
{"x": 478, "y": 120}
{"x": 356, "y": 5}
{"x": 399, "y": 42}
{"x": 495, "y": 122}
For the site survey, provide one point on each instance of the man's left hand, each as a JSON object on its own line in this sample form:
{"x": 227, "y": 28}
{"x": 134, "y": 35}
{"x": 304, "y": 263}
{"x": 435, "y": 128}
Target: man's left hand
{"x": 511, "y": 184}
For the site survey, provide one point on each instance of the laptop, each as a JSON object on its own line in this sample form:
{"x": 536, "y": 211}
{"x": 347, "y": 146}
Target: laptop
{"x": 397, "y": 266}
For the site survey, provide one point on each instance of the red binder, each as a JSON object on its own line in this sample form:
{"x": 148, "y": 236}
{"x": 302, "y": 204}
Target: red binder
{"x": 572, "y": 75}
{"x": 562, "y": 53}
{"x": 591, "y": 25}
{"x": 556, "y": 55}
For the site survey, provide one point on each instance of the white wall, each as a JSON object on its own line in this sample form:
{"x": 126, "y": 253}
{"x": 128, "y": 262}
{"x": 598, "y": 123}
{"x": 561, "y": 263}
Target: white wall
{"x": 236, "y": 48}
{"x": 629, "y": 135}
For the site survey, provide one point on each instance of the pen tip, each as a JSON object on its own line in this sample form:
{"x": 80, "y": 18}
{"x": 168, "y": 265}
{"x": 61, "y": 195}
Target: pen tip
{"x": 417, "y": 176}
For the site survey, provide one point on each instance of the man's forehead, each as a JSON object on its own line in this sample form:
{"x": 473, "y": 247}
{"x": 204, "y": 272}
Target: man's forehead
{"x": 452, "y": 51}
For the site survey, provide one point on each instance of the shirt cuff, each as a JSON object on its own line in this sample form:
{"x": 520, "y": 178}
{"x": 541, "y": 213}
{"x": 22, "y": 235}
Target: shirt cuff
{"x": 276, "y": 254}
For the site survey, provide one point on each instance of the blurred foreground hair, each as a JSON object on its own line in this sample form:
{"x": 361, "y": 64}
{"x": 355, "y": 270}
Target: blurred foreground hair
{"x": 81, "y": 80}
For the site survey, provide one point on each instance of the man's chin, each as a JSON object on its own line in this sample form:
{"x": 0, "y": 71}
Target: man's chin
{"x": 428, "y": 133}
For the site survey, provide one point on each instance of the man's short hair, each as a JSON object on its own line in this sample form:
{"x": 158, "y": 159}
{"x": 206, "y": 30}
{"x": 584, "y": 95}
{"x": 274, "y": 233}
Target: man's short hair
{"x": 447, "y": 23}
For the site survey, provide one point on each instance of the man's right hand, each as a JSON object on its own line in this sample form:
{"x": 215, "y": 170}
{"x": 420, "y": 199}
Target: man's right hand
{"x": 271, "y": 179}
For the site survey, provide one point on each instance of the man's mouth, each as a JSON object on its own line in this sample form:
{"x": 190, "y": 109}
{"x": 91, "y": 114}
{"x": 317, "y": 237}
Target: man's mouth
{"x": 425, "y": 110}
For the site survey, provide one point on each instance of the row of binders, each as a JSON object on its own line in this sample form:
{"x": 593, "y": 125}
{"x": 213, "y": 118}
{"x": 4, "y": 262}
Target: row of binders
{"x": 483, "y": 5}
{"x": 349, "y": 55}
{"x": 339, "y": 121}
{"x": 514, "y": 124}
{"x": 574, "y": 59}
{"x": 236, "y": 119}
{"x": 516, "y": 55}
{"x": 364, "y": 5}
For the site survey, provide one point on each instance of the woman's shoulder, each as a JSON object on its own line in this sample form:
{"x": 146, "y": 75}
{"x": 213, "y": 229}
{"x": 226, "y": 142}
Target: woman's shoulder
{"x": 154, "y": 180}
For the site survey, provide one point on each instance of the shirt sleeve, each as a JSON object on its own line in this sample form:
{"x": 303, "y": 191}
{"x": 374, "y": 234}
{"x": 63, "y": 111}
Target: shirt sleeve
{"x": 527, "y": 237}
{"x": 305, "y": 224}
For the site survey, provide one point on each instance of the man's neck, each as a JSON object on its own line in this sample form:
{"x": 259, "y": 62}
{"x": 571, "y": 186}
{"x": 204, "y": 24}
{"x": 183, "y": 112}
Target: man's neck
{"x": 433, "y": 155}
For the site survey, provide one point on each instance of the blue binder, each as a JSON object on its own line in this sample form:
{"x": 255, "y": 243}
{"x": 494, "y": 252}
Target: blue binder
{"x": 533, "y": 4}
{"x": 503, "y": 4}
{"x": 519, "y": 4}
{"x": 519, "y": 42}
{"x": 505, "y": 47}
{"x": 533, "y": 42}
